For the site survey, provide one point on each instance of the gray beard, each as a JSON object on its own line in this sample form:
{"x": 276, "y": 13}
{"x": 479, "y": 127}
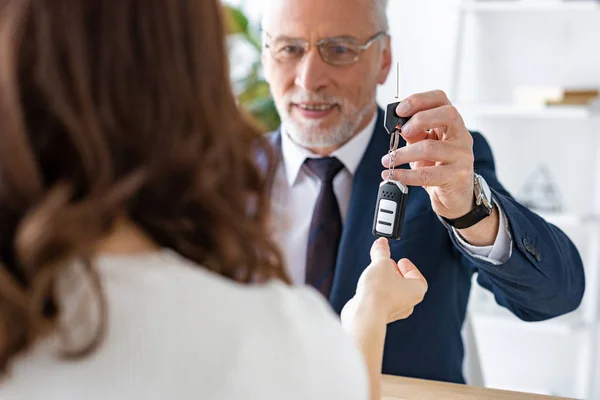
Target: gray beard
{"x": 310, "y": 135}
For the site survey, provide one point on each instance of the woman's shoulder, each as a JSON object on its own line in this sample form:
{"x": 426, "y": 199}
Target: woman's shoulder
{"x": 287, "y": 337}
{"x": 269, "y": 332}
{"x": 180, "y": 277}
{"x": 169, "y": 276}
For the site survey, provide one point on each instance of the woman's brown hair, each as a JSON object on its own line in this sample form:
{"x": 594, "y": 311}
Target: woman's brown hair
{"x": 112, "y": 108}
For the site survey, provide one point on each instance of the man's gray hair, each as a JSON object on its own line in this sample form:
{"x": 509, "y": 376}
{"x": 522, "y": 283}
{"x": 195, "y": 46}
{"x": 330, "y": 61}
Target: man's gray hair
{"x": 380, "y": 12}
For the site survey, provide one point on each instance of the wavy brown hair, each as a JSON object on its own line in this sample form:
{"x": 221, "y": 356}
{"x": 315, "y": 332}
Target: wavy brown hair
{"x": 112, "y": 108}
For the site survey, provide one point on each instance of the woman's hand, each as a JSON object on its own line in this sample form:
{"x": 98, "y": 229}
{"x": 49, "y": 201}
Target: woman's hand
{"x": 388, "y": 289}
{"x": 386, "y": 292}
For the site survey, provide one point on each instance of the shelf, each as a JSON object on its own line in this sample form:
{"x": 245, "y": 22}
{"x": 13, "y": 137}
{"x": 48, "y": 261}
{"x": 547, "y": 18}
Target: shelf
{"x": 570, "y": 219}
{"x": 531, "y": 5}
{"x": 509, "y": 110}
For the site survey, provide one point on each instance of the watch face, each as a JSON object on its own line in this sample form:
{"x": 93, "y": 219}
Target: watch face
{"x": 485, "y": 191}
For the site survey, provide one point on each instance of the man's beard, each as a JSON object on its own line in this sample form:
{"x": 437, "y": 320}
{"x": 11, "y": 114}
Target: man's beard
{"x": 310, "y": 133}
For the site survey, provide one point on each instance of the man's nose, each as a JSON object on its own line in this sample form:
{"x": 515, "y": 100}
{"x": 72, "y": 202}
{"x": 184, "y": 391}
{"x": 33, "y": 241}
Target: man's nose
{"x": 312, "y": 72}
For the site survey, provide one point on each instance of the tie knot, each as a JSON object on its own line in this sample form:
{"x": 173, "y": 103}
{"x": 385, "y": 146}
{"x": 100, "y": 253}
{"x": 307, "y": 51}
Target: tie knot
{"x": 325, "y": 168}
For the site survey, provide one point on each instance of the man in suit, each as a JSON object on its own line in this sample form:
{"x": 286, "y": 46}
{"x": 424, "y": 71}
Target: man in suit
{"x": 324, "y": 61}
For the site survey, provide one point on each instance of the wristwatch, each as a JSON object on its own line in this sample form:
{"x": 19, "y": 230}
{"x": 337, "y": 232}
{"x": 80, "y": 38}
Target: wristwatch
{"x": 484, "y": 204}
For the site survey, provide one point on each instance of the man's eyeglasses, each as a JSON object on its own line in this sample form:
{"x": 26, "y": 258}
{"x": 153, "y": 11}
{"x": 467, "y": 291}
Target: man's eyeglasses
{"x": 333, "y": 50}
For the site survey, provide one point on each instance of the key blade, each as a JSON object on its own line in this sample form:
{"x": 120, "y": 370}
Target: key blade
{"x": 392, "y": 120}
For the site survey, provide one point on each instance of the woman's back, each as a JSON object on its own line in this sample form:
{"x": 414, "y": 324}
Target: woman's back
{"x": 121, "y": 113}
{"x": 175, "y": 331}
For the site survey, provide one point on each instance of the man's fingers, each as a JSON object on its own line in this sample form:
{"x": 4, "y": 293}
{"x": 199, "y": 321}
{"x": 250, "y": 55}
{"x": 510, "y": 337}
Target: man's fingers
{"x": 438, "y": 175}
{"x": 421, "y": 101}
{"x": 426, "y": 150}
{"x": 380, "y": 250}
{"x": 444, "y": 116}
{"x": 417, "y": 137}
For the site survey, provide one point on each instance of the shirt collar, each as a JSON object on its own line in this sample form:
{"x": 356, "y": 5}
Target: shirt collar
{"x": 349, "y": 154}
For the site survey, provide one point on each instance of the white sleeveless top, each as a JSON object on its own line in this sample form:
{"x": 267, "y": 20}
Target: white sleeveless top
{"x": 176, "y": 331}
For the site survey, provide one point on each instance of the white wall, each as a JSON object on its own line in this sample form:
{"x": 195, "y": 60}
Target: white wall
{"x": 423, "y": 35}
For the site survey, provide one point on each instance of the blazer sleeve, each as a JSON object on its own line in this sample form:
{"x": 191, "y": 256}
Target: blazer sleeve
{"x": 544, "y": 276}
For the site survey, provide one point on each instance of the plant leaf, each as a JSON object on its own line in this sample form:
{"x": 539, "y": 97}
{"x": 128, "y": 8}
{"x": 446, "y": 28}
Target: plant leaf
{"x": 236, "y": 21}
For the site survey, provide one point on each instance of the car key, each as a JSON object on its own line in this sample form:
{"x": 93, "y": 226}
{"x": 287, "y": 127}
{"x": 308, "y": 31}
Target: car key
{"x": 393, "y": 121}
{"x": 391, "y": 205}
{"x": 391, "y": 201}
{"x": 393, "y": 195}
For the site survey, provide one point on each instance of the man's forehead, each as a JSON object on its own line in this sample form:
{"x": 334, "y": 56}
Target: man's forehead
{"x": 318, "y": 18}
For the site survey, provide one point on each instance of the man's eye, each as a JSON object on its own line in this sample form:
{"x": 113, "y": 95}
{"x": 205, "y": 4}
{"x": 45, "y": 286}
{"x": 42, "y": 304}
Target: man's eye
{"x": 339, "y": 49}
{"x": 291, "y": 49}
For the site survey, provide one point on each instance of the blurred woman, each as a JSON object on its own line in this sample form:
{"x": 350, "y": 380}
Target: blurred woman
{"x": 135, "y": 259}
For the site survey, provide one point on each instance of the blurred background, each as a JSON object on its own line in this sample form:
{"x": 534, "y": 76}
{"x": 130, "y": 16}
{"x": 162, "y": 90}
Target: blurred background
{"x": 525, "y": 73}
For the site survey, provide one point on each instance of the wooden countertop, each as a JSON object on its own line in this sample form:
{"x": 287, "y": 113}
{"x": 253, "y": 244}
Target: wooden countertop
{"x": 397, "y": 388}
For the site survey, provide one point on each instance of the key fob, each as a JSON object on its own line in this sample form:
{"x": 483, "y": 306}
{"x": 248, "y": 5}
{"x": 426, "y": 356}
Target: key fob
{"x": 391, "y": 205}
{"x": 392, "y": 120}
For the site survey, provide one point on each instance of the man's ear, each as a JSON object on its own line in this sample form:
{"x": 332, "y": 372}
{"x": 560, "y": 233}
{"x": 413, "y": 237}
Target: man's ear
{"x": 386, "y": 60}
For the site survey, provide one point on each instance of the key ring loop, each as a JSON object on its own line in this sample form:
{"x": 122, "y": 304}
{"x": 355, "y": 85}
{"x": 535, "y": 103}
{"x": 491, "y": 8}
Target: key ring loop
{"x": 394, "y": 142}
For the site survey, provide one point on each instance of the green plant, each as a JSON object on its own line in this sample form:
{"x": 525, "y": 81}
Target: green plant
{"x": 252, "y": 90}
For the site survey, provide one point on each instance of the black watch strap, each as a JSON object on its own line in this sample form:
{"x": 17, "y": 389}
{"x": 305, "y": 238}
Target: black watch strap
{"x": 470, "y": 218}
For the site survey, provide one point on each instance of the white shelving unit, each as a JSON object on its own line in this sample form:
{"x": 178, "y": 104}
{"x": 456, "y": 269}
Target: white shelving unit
{"x": 513, "y": 111}
{"x": 571, "y": 219}
{"x": 486, "y": 315}
{"x": 531, "y": 5}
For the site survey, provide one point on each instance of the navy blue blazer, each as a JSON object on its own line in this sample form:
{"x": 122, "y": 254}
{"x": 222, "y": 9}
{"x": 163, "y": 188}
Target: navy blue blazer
{"x": 542, "y": 279}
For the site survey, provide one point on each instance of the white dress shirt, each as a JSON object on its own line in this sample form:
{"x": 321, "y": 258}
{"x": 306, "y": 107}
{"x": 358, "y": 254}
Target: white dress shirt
{"x": 296, "y": 190}
{"x": 178, "y": 331}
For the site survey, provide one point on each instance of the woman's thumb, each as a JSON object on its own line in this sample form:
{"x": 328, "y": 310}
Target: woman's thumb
{"x": 380, "y": 250}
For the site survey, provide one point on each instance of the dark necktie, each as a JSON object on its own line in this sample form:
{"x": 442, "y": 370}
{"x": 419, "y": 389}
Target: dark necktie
{"x": 325, "y": 227}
